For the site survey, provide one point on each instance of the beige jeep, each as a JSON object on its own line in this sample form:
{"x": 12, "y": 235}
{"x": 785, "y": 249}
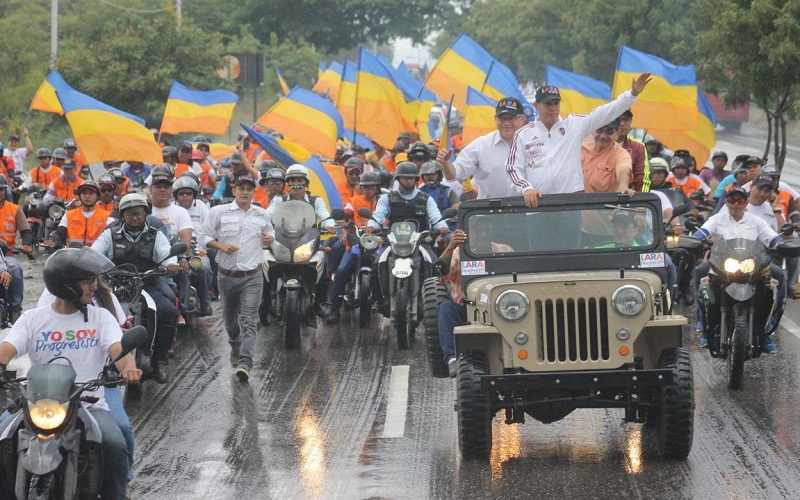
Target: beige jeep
{"x": 566, "y": 307}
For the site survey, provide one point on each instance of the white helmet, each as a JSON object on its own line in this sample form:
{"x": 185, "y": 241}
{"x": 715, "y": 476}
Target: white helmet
{"x": 297, "y": 170}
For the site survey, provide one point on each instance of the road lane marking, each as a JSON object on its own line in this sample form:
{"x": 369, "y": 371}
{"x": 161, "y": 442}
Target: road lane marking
{"x": 397, "y": 406}
{"x": 790, "y": 326}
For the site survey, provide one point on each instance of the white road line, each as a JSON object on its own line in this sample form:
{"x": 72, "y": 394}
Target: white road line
{"x": 397, "y": 406}
{"x": 790, "y": 326}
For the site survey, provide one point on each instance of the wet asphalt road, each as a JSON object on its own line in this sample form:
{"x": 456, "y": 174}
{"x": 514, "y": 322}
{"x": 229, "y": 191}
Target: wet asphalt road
{"x": 311, "y": 424}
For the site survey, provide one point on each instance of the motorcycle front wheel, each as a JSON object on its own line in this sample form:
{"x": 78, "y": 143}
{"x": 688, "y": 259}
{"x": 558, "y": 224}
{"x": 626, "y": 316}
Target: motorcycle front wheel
{"x": 364, "y": 306}
{"x": 291, "y": 319}
{"x": 401, "y": 315}
{"x": 738, "y": 346}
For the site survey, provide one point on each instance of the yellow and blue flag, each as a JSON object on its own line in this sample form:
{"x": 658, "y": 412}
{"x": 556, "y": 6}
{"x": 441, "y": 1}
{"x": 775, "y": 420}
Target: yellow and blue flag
{"x": 699, "y": 141}
{"x": 307, "y": 119}
{"x": 413, "y": 90}
{"x": 45, "y": 98}
{"x": 284, "y": 87}
{"x": 104, "y": 133}
{"x": 328, "y": 83}
{"x": 467, "y": 64}
{"x": 346, "y": 99}
{"x": 381, "y": 107}
{"x": 479, "y": 116}
{"x": 579, "y": 93}
{"x": 320, "y": 70}
{"x": 188, "y": 110}
{"x": 321, "y": 184}
{"x": 670, "y": 99}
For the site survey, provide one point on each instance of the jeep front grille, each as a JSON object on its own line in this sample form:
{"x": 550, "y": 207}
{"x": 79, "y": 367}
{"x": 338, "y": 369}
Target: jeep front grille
{"x": 572, "y": 329}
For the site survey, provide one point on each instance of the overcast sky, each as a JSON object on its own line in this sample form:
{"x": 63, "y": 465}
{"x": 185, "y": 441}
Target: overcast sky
{"x": 405, "y": 51}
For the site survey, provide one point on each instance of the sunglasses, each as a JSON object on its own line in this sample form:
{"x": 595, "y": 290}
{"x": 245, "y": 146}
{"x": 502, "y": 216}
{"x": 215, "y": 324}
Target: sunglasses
{"x": 107, "y": 190}
{"x": 736, "y": 201}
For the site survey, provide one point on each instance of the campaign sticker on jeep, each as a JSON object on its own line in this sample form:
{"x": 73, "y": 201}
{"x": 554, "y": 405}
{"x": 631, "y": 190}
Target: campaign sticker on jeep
{"x": 655, "y": 259}
{"x": 473, "y": 267}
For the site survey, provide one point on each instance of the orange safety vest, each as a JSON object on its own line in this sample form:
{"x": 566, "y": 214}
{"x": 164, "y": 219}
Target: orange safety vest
{"x": 108, "y": 207}
{"x": 8, "y": 223}
{"x": 84, "y": 230}
{"x": 180, "y": 168}
{"x": 784, "y": 200}
{"x": 692, "y": 186}
{"x": 360, "y": 201}
{"x": 261, "y": 197}
{"x": 63, "y": 189}
{"x": 45, "y": 178}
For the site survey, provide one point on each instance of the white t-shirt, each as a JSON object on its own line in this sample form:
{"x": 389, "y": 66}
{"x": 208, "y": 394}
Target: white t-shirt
{"x": 198, "y": 212}
{"x": 19, "y": 156}
{"x": 175, "y": 219}
{"x": 44, "y": 334}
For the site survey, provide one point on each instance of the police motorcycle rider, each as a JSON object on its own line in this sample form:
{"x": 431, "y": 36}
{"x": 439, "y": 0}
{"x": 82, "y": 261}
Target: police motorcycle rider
{"x": 370, "y": 186}
{"x": 185, "y": 192}
{"x": 136, "y": 242}
{"x": 297, "y": 179}
{"x": 71, "y": 276}
{"x": 407, "y": 202}
{"x": 432, "y": 176}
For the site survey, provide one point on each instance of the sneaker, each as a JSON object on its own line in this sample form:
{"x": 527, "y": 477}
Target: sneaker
{"x": 205, "y": 311}
{"x": 703, "y": 341}
{"x": 234, "y": 360}
{"x": 452, "y": 366}
{"x": 13, "y": 316}
{"x": 213, "y": 294}
{"x": 699, "y": 327}
{"x": 243, "y": 372}
{"x": 180, "y": 321}
{"x": 333, "y": 317}
{"x": 767, "y": 346}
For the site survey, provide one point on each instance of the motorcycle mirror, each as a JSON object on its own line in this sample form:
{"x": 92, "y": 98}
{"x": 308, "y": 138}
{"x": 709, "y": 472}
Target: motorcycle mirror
{"x": 132, "y": 339}
{"x": 787, "y": 229}
{"x": 365, "y": 213}
{"x": 337, "y": 214}
{"x": 177, "y": 249}
{"x": 449, "y": 213}
{"x": 441, "y": 267}
{"x": 788, "y": 248}
{"x": 690, "y": 223}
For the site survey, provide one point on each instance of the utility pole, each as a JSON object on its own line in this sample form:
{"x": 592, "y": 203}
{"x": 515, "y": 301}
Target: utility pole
{"x": 179, "y": 9}
{"x": 53, "y": 33}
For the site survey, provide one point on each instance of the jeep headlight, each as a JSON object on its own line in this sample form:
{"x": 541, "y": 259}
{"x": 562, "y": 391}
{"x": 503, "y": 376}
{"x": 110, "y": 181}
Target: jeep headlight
{"x": 629, "y": 300}
{"x": 304, "y": 251}
{"x": 512, "y": 305}
{"x": 47, "y": 414}
{"x": 745, "y": 266}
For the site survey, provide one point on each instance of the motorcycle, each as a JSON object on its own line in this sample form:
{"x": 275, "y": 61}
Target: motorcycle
{"x": 33, "y": 212}
{"x": 50, "y": 446}
{"x": 293, "y": 265}
{"x": 127, "y": 284}
{"x": 739, "y": 299}
{"x": 357, "y": 292}
{"x": 403, "y": 266}
{"x": 55, "y": 212}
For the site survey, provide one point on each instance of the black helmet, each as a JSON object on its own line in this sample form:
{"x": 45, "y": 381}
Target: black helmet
{"x": 678, "y": 162}
{"x": 236, "y": 158}
{"x": 273, "y": 173}
{"x": 167, "y": 151}
{"x": 162, "y": 173}
{"x": 60, "y": 154}
{"x": 354, "y": 162}
{"x": 430, "y": 167}
{"x": 70, "y": 143}
{"x": 67, "y": 266}
{"x": 370, "y": 179}
{"x": 106, "y": 180}
{"x": 267, "y": 165}
{"x": 419, "y": 151}
{"x": 87, "y": 184}
{"x": 406, "y": 169}
{"x": 201, "y": 138}
{"x": 43, "y": 153}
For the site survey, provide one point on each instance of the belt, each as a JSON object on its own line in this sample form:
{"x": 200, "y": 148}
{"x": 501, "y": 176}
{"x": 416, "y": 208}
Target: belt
{"x": 238, "y": 274}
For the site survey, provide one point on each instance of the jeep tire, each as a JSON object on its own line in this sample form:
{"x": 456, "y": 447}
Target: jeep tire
{"x": 672, "y": 418}
{"x": 472, "y": 404}
{"x": 433, "y": 294}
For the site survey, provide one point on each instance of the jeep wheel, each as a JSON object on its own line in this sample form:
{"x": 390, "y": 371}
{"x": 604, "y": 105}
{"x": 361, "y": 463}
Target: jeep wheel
{"x": 672, "y": 418}
{"x": 474, "y": 413}
{"x": 433, "y": 294}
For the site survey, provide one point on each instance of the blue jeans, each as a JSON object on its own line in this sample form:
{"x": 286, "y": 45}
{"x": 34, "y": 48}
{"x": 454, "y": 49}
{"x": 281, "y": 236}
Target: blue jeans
{"x": 450, "y": 316}
{"x": 212, "y": 257}
{"x": 114, "y": 399}
{"x": 672, "y": 277}
{"x": 16, "y": 288}
{"x": 201, "y": 278}
{"x": 344, "y": 272}
{"x": 337, "y": 252}
{"x": 167, "y": 315}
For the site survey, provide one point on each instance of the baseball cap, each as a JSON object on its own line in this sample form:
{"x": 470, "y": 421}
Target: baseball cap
{"x": 243, "y": 179}
{"x": 613, "y": 125}
{"x": 13, "y": 137}
{"x": 763, "y": 180}
{"x": 770, "y": 170}
{"x": 508, "y": 106}
{"x": 623, "y": 217}
{"x": 739, "y": 170}
{"x": 737, "y": 190}
{"x": 548, "y": 93}
{"x": 753, "y": 159}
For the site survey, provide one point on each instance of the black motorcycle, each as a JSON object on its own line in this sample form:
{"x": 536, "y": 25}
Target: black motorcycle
{"x": 50, "y": 446}
{"x": 740, "y": 299}
{"x": 357, "y": 293}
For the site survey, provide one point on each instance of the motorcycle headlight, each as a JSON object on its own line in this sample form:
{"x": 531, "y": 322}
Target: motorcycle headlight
{"x": 512, "y": 305}
{"x": 629, "y": 300}
{"x": 281, "y": 252}
{"x": 745, "y": 266}
{"x": 47, "y": 414}
{"x": 403, "y": 249}
{"x": 55, "y": 211}
{"x": 370, "y": 241}
{"x": 195, "y": 262}
{"x": 304, "y": 251}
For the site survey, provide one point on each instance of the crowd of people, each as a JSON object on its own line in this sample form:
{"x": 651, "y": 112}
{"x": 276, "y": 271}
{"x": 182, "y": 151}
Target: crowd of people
{"x": 222, "y": 209}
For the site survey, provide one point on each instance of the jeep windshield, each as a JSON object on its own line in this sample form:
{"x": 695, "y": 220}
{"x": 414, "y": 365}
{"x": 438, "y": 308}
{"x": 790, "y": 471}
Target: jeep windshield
{"x": 606, "y": 228}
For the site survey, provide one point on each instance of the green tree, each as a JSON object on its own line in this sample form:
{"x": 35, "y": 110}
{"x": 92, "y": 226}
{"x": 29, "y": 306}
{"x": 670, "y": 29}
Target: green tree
{"x": 751, "y": 50}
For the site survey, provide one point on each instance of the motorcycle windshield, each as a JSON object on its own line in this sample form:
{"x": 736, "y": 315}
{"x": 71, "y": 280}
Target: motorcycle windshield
{"x": 50, "y": 381}
{"x": 293, "y": 218}
{"x": 404, "y": 230}
{"x": 738, "y": 253}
